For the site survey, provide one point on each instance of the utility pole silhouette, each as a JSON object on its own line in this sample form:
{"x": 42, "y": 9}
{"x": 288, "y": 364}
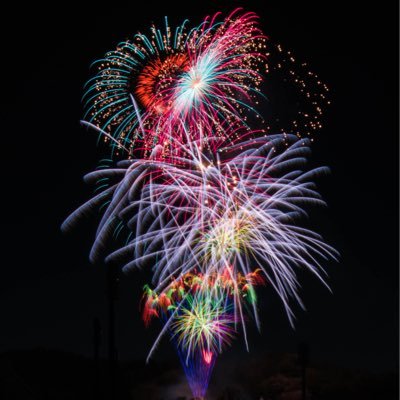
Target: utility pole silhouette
{"x": 112, "y": 296}
{"x": 96, "y": 357}
{"x": 303, "y": 354}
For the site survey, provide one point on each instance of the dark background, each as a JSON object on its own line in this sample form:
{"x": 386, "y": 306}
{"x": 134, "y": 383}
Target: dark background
{"x": 50, "y": 293}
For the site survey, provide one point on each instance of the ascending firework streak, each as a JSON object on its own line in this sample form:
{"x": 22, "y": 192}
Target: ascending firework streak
{"x": 212, "y": 205}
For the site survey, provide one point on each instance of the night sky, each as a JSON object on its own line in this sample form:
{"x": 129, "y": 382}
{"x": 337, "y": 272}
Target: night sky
{"x": 50, "y": 293}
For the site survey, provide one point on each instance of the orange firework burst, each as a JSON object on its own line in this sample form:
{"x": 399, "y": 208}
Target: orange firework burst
{"x": 156, "y": 80}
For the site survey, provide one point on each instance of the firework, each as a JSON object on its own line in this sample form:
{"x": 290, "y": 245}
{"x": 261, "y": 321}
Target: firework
{"x": 223, "y": 284}
{"x": 197, "y": 309}
{"x": 201, "y": 306}
{"x": 208, "y": 215}
{"x": 200, "y": 328}
{"x": 148, "y": 87}
{"x": 210, "y": 195}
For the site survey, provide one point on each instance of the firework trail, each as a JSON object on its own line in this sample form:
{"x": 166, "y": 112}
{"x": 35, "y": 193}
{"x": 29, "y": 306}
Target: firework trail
{"x": 212, "y": 205}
